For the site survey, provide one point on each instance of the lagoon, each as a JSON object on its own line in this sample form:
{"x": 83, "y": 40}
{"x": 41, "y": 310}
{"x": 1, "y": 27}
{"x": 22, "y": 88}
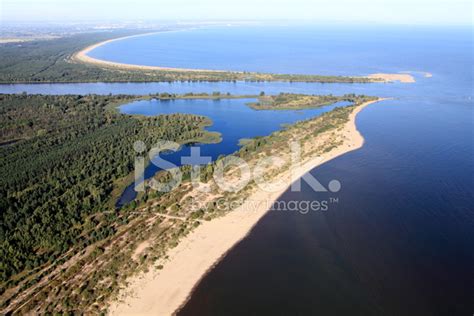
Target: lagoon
{"x": 231, "y": 117}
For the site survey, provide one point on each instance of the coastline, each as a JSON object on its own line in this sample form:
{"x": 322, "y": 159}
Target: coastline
{"x": 83, "y": 57}
{"x": 163, "y": 292}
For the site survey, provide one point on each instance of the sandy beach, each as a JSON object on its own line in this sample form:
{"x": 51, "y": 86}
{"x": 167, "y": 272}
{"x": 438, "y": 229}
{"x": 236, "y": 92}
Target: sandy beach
{"x": 402, "y": 77}
{"x": 163, "y": 292}
{"x": 82, "y": 56}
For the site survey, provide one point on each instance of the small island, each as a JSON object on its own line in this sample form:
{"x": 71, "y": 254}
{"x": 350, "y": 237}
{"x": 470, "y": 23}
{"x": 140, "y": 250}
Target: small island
{"x": 291, "y": 101}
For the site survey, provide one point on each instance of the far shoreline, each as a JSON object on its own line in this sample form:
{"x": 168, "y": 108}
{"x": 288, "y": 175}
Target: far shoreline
{"x": 166, "y": 291}
{"x": 83, "y": 57}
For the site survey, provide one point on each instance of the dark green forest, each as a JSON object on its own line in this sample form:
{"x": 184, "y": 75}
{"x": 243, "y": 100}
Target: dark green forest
{"x": 294, "y": 101}
{"x": 60, "y": 159}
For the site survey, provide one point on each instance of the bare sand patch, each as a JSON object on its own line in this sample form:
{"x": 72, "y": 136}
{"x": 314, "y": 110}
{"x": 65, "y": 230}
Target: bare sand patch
{"x": 140, "y": 248}
{"x": 405, "y": 78}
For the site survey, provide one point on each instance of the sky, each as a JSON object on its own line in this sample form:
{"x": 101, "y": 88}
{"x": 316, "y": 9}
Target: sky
{"x": 430, "y": 12}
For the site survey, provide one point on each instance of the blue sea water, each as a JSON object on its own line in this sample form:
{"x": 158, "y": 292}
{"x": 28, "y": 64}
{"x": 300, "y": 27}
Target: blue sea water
{"x": 400, "y": 239}
{"x": 336, "y": 50}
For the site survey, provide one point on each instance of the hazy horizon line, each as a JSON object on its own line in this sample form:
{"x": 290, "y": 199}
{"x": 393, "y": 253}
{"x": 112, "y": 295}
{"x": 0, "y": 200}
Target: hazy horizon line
{"x": 291, "y": 21}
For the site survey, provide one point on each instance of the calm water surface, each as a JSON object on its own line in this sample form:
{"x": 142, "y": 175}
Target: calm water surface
{"x": 285, "y": 49}
{"x": 231, "y": 117}
{"x": 400, "y": 239}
